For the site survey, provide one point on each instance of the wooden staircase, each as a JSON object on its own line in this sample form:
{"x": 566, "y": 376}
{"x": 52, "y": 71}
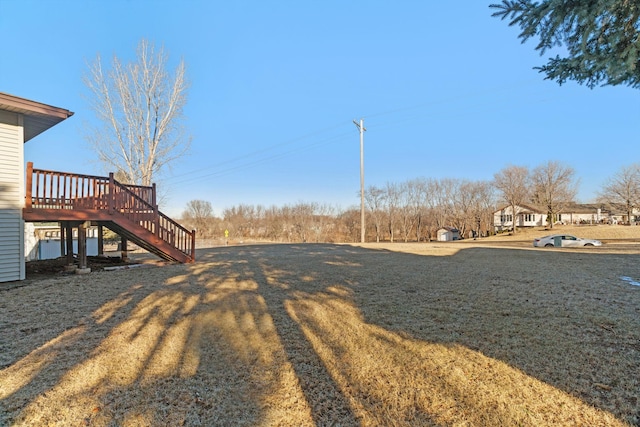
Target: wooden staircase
{"x": 128, "y": 210}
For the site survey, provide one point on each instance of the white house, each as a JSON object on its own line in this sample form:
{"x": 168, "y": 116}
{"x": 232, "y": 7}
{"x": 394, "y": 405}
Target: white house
{"x": 572, "y": 213}
{"x": 525, "y": 216}
{"x": 20, "y": 121}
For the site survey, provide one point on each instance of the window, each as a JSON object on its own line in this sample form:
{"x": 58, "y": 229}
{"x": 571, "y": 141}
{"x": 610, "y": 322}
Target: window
{"x": 529, "y": 217}
{"x": 505, "y": 218}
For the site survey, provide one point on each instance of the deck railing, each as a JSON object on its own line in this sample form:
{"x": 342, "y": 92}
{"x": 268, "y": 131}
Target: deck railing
{"x": 63, "y": 190}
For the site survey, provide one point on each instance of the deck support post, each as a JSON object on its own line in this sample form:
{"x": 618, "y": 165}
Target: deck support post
{"x": 100, "y": 241}
{"x": 82, "y": 246}
{"x": 83, "y": 267}
{"x": 69, "y": 240}
{"x": 123, "y": 249}
{"x": 62, "y": 240}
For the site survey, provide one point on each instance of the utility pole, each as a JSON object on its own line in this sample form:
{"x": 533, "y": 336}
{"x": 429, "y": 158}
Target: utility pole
{"x": 362, "y": 129}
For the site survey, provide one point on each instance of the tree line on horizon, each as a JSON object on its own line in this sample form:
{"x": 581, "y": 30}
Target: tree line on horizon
{"x": 413, "y": 210}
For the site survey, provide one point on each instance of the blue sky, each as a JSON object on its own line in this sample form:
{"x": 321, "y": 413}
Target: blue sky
{"x": 445, "y": 91}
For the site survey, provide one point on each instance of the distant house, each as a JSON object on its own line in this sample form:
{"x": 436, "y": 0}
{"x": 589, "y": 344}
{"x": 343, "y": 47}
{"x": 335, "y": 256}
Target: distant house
{"x": 580, "y": 213}
{"x": 525, "y": 216}
{"x": 573, "y": 213}
{"x": 447, "y": 234}
{"x": 20, "y": 121}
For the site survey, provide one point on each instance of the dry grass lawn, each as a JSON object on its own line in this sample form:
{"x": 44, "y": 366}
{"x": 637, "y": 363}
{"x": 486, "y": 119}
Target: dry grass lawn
{"x": 474, "y": 333}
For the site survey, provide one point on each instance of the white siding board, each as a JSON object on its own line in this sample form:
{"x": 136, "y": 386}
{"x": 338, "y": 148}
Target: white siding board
{"x": 7, "y": 164}
{"x": 10, "y": 198}
{"x": 9, "y": 275}
{"x": 6, "y": 251}
{"x": 7, "y": 137}
{"x": 9, "y": 237}
{"x": 8, "y": 263}
{"x": 8, "y": 157}
{"x": 6, "y": 133}
{"x": 7, "y": 168}
{"x": 6, "y": 214}
{"x": 11, "y": 201}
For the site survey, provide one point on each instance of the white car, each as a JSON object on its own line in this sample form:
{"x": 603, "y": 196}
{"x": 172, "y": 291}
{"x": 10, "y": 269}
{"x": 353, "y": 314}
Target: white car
{"x": 565, "y": 241}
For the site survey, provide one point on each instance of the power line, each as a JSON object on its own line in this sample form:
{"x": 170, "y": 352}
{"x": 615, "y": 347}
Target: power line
{"x": 263, "y": 150}
{"x": 276, "y": 156}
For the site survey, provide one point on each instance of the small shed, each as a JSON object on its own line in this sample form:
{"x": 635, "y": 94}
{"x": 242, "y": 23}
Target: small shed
{"x": 447, "y": 234}
{"x": 20, "y": 120}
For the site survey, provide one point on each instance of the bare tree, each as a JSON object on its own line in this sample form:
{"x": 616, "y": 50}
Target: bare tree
{"x": 431, "y": 202}
{"x": 392, "y": 199}
{"x": 302, "y": 217}
{"x": 554, "y": 186}
{"x": 482, "y": 206}
{"x": 139, "y": 106}
{"x": 457, "y": 204}
{"x": 465, "y": 205}
{"x": 623, "y": 188}
{"x": 444, "y": 196}
{"x": 241, "y": 220}
{"x": 418, "y": 188}
{"x": 513, "y": 184}
{"x": 406, "y": 209}
{"x": 288, "y": 227}
{"x": 348, "y": 226}
{"x": 374, "y": 197}
{"x": 274, "y": 224}
{"x": 199, "y": 214}
{"x": 322, "y": 223}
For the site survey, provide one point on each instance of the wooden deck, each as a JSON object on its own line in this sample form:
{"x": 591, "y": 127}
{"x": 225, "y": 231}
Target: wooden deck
{"x": 128, "y": 210}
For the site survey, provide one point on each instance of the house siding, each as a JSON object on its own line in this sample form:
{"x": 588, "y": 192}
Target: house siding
{"x": 11, "y": 202}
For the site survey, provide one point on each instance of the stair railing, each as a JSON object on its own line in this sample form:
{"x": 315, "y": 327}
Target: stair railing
{"x": 128, "y": 203}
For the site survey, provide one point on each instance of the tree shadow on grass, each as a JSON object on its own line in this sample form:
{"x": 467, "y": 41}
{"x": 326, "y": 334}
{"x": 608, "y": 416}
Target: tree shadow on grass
{"x": 331, "y": 334}
{"x": 154, "y": 354}
{"x": 488, "y": 311}
{"x": 565, "y": 318}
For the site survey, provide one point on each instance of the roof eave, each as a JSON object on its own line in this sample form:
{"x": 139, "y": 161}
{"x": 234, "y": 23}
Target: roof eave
{"x": 38, "y": 117}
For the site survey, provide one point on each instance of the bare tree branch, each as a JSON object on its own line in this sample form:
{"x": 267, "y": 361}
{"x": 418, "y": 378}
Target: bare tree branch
{"x": 554, "y": 186}
{"x": 513, "y": 184}
{"x": 139, "y": 107}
